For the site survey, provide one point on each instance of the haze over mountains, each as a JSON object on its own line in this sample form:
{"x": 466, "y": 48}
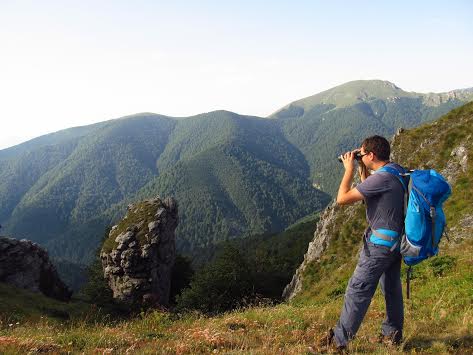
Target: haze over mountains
{"x": 232, "y": 175}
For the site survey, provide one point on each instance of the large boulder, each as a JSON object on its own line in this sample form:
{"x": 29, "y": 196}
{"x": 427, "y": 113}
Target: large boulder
{"x": 25, "y": 264}
{"x": 138, "y": 256}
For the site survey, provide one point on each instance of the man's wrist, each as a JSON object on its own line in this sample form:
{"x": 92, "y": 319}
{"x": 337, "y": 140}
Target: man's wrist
{"x": 349, "y": 171}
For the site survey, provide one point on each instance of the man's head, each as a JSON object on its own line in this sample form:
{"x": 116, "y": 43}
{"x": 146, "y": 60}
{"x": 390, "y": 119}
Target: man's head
{"x": 376, "y": 149}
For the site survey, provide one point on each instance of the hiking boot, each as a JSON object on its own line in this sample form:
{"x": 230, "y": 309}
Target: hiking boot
{"x": 327, "y": 345}
{"x": 390, "y": 340}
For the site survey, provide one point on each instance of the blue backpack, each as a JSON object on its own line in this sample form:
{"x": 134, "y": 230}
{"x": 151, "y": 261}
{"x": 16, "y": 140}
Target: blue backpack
{"x": 424, "y": 224}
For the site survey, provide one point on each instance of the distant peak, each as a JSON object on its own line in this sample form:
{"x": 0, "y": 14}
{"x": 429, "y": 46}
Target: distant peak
{"x": 350, "y": 93}
{"x": 368, "y": 83}
{"x": 376, "y": 88}
{"x": 140, "y": 114}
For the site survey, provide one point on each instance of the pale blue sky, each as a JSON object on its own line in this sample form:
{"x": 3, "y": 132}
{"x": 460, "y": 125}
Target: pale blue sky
{"x": 69, "y": 63}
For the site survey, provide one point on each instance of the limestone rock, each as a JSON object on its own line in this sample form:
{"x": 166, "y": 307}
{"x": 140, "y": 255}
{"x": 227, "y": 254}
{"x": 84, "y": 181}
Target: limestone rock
{"x": 314, "y": 252}
{"x": 138, "y": 265}
{"x": 26, "y": 265}
{"x": 457, "y": 164}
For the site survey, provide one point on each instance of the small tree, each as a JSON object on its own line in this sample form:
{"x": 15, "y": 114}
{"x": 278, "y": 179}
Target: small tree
{"x": 97, "y": 290}
{"x": 220, "y": 286}
{"x": 182, "y": 273}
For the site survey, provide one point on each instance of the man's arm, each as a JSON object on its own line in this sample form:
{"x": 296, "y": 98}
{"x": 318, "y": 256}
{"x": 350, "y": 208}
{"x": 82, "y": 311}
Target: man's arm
{"x": 346, "y": 195}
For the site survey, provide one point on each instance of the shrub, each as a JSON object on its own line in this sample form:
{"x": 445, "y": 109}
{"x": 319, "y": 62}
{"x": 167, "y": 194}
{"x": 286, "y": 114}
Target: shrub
{"x": 182, "y": 274}
{"x": 441, "y": 264}
{"x": 97, "y": 290}
{"x": 220, "y": 286}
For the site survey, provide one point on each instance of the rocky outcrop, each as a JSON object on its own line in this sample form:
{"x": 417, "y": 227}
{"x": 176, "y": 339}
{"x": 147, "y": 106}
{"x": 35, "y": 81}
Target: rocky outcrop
{"x": 433, "y": 99}
{"x": 462, "y": 230}
{"x": 139, "y": 253}
{"x": 457, "y": 163}
{"x": 26, "y": 265}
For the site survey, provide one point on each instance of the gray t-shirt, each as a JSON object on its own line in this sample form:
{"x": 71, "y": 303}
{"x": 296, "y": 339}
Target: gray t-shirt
{"x": 384, "y": 197}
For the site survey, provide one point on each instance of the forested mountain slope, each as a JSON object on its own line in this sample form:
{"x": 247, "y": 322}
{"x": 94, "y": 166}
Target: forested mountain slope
{"x": 232, "y": 175}
{"x": 249, "y": 181}
{"x": 334, "y": 121}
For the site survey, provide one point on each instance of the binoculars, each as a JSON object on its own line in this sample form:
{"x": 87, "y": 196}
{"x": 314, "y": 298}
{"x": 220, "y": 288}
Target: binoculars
{"x": 358, "y": 156}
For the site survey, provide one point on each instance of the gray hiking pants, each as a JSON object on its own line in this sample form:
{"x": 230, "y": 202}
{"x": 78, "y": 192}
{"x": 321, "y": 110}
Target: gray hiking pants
{"x": 376, "y": 264}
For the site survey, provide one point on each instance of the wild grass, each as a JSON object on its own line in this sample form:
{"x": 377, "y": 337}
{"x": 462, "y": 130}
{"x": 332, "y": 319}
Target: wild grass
{"x": 439, "y": 319}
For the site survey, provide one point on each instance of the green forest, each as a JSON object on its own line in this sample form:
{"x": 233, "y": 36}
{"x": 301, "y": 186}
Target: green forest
{"x": 234, "y": 176}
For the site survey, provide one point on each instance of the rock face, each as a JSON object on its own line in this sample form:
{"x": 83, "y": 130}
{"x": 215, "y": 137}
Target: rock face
{"x": 457, "y": 164}
{"x": 26, "y": 265}
{"x": 139, "y": 253}
{"x": 316, "y": 247}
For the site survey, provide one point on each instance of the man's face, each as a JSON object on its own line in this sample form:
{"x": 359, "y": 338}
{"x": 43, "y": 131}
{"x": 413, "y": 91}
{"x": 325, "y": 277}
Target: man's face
{"x": 366, "y": 157}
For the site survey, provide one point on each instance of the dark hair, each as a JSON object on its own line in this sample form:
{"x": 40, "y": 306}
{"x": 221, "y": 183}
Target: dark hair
{"x": 377, "y": 145}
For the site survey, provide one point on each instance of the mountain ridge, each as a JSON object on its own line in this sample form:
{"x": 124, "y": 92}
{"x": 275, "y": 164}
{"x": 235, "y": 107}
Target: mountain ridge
{"x": 238, "y": 175}
{"x": 463, "y": 93}
{"x": 89, "y": 185}
{"x": 357, "y": 91}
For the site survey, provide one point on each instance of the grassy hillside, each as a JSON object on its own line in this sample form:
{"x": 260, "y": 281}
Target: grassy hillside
{"x": 439, "y": 319}
{"x": 443, "y": 286}
{"x": 349, "y": 94}
{"x": 358, "y": 91}
{"x": 439, "y": 315}
{"x": 18, "y": 305}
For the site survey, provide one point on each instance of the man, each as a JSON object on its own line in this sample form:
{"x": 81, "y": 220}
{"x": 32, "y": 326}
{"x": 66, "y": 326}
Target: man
{"x": 380, "y": 259}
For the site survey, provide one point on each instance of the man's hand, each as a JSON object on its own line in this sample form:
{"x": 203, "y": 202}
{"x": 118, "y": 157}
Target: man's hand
{"x": 348, "y": 160}
{"x": 346, "y": 195}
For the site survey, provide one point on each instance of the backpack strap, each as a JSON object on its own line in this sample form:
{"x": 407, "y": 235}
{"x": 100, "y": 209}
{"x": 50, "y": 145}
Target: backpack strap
{"x": 394, "y": 172}
{"x": 407, "y": 193}
{"x": 433, "y": 215}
